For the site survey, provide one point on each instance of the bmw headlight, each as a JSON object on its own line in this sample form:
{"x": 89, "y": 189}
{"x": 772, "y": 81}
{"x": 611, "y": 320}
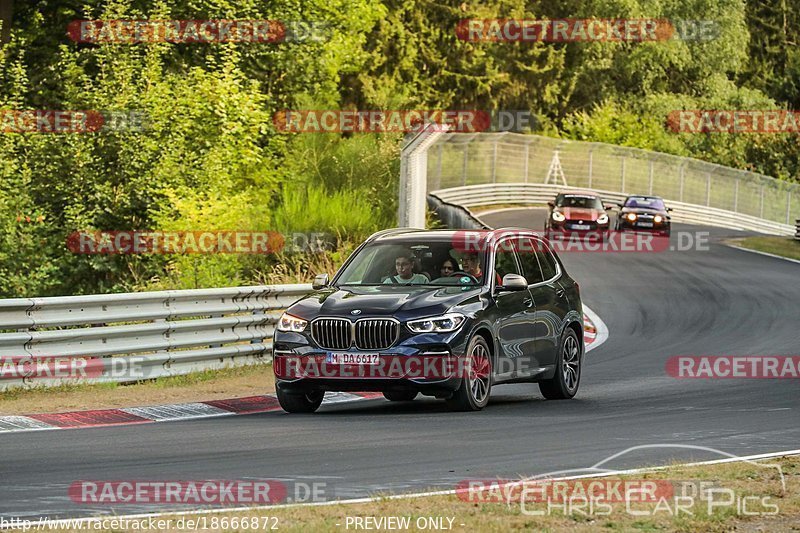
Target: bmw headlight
{"x": 437, "y": 324}
{"x": 288, "y": 322}
{"x": 602, "y": 219}
{"x": 558, "y": 217}
{"x": 631, "y": 216}
{"x": 657, "y": 219}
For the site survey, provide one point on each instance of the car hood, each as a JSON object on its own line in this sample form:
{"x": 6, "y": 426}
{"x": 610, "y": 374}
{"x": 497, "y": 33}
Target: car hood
{"x": 401, "y": 302}
{"x": 579, "y": 213}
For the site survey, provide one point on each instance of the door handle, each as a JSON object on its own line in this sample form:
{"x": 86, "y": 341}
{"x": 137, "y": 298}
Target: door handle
{"x": 528, "y": 302}
{"x": 560, "y": 293}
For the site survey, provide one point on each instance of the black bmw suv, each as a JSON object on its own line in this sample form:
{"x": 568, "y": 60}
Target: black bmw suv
{"x": 442, "y": 313}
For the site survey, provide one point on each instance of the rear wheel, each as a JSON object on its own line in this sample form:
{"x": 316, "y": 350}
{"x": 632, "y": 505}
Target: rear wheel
{"x": 564, "y": 384}
{"x": 476, "y": 382}
{"x": 299, "y": 402}
{"x": 400, "y": 396}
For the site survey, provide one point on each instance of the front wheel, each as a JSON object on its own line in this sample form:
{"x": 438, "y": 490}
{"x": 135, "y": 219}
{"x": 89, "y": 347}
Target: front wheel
{"x": 293, "y": 402}
{"x": 476, "y": 381}
{"x": 564, "y": 384}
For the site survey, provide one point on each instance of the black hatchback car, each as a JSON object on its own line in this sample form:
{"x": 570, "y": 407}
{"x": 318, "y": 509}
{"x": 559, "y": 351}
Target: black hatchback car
{"x": 442, "y": 313}
{"x": 644, "y": 213}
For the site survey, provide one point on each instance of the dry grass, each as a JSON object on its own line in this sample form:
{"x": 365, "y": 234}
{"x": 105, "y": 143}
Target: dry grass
{"x": 197, "y": 386}
{"x": 783, "y": 246}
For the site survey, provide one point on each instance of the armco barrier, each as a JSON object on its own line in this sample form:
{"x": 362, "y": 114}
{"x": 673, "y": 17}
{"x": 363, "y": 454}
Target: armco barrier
{"x": 155, "y": 333}
{"x": 797, "y": 229}
{"x": 539, "y": 194}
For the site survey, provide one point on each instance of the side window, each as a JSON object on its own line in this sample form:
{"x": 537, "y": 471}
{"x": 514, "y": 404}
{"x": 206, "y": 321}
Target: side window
{"x": 504, "y": 260}
{"x": 526, "y": 250}
{"x": 546, "y": 260}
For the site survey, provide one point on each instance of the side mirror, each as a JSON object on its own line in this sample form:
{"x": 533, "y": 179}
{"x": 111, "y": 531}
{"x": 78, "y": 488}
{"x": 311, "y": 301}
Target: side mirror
{"x": 609, "y": 207}
{"x": 551, "y": 204}
{"x": 320, "y": 282}
{"x": 669, "y": 210}
{"x": 514, "y": 282}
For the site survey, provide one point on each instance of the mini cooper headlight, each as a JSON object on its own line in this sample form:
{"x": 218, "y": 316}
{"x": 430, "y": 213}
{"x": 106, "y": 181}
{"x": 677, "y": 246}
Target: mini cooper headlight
{"x": 558, "y": 217}
{"x": 602, "y": 219}
{"x": 288, "y": 322}
{"x": 437, "y": 324}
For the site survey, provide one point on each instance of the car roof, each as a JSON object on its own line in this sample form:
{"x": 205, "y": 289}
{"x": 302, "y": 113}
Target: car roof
{"x": 579, "y": 193}
{"x": 645, "y": 196}
{"x": 447, "y": 235}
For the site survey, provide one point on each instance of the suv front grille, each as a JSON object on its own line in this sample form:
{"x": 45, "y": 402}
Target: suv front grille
{"x": 331, "y": 333}
{"x": 369, "y": 333}
{"x": 376, "y": 334}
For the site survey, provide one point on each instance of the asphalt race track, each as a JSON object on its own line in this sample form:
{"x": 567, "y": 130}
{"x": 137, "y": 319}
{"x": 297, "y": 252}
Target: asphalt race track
{"x": 717, "y": 302}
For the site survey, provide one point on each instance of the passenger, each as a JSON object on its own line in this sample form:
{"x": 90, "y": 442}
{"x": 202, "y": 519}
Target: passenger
{"x": 449, "y": 266}
{"x": 404, "y": 264}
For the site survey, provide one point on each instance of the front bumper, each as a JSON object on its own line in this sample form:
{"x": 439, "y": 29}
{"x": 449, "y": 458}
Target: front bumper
{"x": 428, "y": 363}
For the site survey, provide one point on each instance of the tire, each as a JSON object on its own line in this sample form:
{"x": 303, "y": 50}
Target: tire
{"x": 476, "y": 383}
{"x": 400, "y": 396}
{"x": 292, "y": 402}
{"x": 564, "y": 384}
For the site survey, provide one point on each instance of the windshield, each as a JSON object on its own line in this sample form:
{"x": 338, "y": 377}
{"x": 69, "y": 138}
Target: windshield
{"x": 402, "y": 263}
{"x": 644, "y": 202}
{"x": 584, "y": 202}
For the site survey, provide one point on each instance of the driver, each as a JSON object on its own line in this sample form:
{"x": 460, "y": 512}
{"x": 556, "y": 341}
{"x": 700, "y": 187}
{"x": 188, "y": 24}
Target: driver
{"x": 449, "y": 266}
{"x": 404, "y": 264}
{"x": 472, "y": 265}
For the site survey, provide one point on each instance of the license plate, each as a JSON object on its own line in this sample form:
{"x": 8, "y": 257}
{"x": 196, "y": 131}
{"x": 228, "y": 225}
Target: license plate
{"x": 645, "y": 224}
{"x": 334, "y": 358}
{"x": 580, "y": 226}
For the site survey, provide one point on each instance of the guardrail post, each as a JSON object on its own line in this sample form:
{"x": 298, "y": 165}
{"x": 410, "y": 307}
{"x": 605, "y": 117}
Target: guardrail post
{"x": 650, "y": 192}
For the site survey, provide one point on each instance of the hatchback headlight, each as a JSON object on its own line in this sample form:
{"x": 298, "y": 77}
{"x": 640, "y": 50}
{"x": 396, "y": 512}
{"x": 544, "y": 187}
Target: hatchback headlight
{"x": 437, "y": 324}
{"x": 602, "y": 219}
{"x": 288, "y": 322}
{"x": 558, "y": 217}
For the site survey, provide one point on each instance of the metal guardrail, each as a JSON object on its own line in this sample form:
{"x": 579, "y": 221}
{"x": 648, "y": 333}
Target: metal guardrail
{"x": 797, "y": 229}
{"x": 532, "y": 194}
{"x": 134, "y": 336}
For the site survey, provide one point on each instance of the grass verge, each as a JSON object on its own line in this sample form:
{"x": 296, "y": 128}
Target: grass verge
{"x": 197, "y": 386}
{"x": 782, "y": 246}
{"x": 752, "y": 489}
